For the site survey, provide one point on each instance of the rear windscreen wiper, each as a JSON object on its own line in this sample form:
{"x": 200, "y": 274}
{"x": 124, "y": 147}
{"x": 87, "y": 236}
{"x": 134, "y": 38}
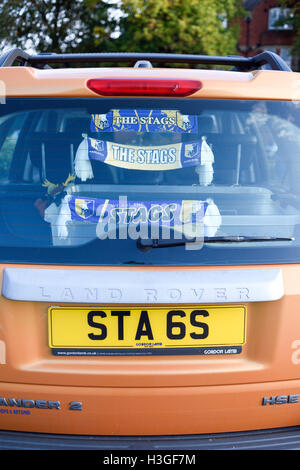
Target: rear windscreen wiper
{"x": 147, "y": 244}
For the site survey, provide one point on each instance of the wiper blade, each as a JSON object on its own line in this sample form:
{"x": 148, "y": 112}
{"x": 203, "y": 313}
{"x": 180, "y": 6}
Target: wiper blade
{"x": 148, "y": 244}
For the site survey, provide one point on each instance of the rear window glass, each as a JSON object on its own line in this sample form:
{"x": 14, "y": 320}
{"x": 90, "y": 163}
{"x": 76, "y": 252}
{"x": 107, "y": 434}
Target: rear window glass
{"x": 147, "y": 181}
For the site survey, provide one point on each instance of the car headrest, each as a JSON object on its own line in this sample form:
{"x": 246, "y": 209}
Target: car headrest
{"x": 77, "y": 125}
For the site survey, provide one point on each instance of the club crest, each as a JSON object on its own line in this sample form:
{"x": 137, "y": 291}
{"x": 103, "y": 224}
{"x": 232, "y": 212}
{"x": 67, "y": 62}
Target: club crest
{"x": 84, "y": 208}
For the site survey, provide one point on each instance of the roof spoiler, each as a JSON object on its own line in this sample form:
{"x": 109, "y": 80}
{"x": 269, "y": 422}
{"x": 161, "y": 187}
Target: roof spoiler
{"x": 265, "y": 59}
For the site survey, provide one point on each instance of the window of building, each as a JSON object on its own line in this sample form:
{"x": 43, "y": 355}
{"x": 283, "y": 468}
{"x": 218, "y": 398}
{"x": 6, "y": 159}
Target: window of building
{"x": 276, "y": 14}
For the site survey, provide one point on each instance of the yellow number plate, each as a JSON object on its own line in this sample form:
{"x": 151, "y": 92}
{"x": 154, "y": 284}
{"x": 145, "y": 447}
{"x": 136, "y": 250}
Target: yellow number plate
{"x": 146, "y": 328}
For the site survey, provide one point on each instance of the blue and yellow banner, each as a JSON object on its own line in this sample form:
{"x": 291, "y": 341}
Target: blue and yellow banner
{"x": 144, "y": 120}
{"x": 170, "y": 213}
{"x": 191, "y": 217}
{"x": 163, "y": 157}
{"x": 133, "y": 157}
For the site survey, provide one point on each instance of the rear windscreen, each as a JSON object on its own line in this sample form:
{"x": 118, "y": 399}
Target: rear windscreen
{"x": 103, "y": 181}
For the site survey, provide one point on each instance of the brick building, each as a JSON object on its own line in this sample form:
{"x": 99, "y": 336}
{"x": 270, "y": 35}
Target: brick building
{"x": 259, "y": 31}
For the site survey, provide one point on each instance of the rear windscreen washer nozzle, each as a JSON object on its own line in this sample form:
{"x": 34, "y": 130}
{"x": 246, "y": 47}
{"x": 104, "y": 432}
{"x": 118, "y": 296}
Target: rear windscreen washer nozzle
{"x": 145, "y": 64}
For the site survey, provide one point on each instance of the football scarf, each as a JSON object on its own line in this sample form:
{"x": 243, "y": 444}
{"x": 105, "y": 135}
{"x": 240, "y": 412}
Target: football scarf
{"x": 144, "y": 120}
{"x": 174, "y": 214}
{"x": 130, "y": 157}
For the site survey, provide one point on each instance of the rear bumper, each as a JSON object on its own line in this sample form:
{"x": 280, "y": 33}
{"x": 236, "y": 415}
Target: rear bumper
{"x": 267, "y": 439}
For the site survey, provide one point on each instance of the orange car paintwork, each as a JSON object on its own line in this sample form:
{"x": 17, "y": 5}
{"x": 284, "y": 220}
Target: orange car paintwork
{"x": 155, "y": 395}
{"x": 21, "y": 81}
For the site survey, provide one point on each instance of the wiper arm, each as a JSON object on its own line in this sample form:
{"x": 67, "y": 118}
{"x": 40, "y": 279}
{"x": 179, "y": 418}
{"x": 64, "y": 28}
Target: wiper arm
{"x": 148, "y": 244}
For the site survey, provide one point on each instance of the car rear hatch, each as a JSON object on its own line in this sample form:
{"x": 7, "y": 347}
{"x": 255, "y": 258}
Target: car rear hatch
{"x": 150, "y": 254}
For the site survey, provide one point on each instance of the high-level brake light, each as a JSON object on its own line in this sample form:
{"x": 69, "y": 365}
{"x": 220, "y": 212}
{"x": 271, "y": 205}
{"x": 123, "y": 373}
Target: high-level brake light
{"x": 143, "y": 86}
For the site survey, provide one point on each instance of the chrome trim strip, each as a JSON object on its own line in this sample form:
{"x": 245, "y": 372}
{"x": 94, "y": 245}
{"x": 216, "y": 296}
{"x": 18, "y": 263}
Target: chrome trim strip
{"x": 143, "y": 287}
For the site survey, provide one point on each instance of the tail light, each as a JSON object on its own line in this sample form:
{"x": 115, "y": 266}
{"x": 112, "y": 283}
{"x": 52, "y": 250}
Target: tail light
{"x": 143, "y": 86}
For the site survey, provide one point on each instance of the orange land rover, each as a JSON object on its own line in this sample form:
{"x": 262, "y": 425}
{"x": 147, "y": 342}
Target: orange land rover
{"x": 150, "y": 250}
